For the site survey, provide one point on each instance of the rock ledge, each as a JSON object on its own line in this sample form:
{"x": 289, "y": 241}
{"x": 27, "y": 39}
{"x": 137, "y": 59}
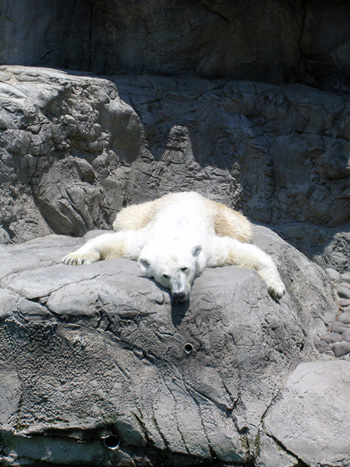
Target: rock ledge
{"x": 101, "y": 370}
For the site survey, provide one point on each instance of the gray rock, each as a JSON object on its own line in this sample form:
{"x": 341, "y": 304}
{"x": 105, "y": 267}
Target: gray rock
{"x": 76, "y": 149}
{"x": 98, "y": 367}
{"x": 345, "y": 277}
{"x": 310, "y": 418}
{"x": 335, "y": 243}
{"x": 346, "y": 335}
{"x": 344, "y": 317}
{"x": 343, "y": 292}
{"x": 333, "y": 274}
{"x": 332, "y": 337}
{"x": 341, "y": 348}
{"x": 345, "y": 302}
{"x": 208, "y": 39}
{"x": 322, "y": 346}
{"x": 271, "y": 455}
{"x": 339, "y": 327}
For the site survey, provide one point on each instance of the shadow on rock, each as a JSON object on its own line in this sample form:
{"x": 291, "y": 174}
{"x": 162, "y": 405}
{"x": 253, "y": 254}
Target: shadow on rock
{"x": 178, "y": 311}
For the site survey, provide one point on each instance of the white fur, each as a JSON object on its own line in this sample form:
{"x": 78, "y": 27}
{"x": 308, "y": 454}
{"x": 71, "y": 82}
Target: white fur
{"x": 180, "y": 238}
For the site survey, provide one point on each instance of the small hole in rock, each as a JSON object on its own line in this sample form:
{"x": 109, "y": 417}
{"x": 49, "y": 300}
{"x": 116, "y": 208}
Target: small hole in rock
{"x": 188, "y": 348}
{"x": 111, "y": 442}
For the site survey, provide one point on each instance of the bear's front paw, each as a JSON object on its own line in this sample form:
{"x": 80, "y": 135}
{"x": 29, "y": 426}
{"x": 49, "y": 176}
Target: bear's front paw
{"x": 276, "y": 288}
{"x": 78, "y": 257}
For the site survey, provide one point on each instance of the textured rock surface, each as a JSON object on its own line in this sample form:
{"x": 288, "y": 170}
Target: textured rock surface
{"x": 314, "y": 388}
{"x": 96, "y": 368}
{"x": 75, "y": 149}
{"x": 271, "y": 41}
{"x": 94, "y": 351}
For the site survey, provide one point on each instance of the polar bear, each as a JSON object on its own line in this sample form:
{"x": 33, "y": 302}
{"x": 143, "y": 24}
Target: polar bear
{"x": 175, "y": 237}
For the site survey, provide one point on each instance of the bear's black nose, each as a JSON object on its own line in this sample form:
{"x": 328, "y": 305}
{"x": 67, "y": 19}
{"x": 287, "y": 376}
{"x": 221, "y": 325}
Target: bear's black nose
{"x": 179, "y": 297}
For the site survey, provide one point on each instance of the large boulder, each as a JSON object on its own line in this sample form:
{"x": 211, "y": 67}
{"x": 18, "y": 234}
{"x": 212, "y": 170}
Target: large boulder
{"x": 99, "y": 369}
{"x": 76, "y": 149}
{"x": 54, "y": 127}
{"x": 314, "y": 388}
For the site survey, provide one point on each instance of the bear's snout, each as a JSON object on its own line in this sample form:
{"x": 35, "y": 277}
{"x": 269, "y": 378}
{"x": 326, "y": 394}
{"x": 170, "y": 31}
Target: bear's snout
{"x": 179, "y": 297}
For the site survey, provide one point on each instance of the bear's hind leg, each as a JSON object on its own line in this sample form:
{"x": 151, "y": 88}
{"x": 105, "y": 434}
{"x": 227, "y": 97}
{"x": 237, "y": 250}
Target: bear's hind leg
{"x": 230, "y": 223}
{"x": 136, "y": 216}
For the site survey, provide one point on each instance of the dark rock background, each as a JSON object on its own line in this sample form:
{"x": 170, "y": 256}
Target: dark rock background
{"x": 271, "y": 41}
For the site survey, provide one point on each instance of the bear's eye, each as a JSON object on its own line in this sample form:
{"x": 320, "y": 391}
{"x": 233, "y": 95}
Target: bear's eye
{"x": 184, "y": 269}
{"x": 166, "y": 276}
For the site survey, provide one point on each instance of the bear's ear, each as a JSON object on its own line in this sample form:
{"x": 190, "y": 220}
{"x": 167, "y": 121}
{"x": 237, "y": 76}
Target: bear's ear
{"x": 196, "y": 250}
{"x": 145, "y": 265}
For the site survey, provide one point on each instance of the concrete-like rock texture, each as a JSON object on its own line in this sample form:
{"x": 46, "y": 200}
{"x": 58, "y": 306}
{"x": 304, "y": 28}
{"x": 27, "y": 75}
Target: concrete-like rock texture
{"x": 314, "y": 388}
{"x": 95, "y": 358}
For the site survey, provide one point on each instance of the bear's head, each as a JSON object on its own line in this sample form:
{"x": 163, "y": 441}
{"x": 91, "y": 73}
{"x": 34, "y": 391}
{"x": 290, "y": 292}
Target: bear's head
{"x": 172, "y": 266}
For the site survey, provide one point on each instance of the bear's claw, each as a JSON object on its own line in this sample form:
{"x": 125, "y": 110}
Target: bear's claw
{"x": 76, "y": 258}
{"x": 276, "y": 290}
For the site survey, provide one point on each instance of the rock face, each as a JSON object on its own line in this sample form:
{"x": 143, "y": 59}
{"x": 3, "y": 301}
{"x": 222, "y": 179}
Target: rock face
{"x": 319, "y": 441}
{"x": 76, "y": 149}
{"x": 270, "y": 41}
{"x": 101, "y": 370}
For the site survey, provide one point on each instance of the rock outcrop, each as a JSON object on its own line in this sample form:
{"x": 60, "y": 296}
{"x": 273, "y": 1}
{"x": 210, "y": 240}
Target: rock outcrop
{"x": 100, "y": 369}
{"x": 76, "y": 149}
